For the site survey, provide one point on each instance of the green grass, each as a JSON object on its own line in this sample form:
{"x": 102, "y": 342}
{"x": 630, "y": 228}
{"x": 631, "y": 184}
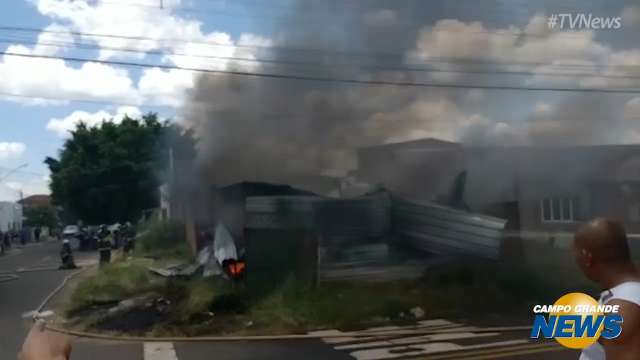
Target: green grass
{"x": 504, "y": 289}
{"x": 342, "y": 305}
{"x": 163, "y": 240}
{"x": 112, "y": 283}
{"x": 199, "y": 294}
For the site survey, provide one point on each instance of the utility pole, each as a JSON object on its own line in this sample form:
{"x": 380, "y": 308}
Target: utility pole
{"x": 171, "y": 185}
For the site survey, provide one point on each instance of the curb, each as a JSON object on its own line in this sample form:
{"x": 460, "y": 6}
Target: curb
{"x": 57, "y": 290}
{"x": 374, "y": 335}
{"x": 371, "y": 334}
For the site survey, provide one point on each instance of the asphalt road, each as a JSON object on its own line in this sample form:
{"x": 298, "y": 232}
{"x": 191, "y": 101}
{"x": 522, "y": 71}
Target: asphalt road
{"x": 24, "y": 294}
{"x": 28, "y": 291}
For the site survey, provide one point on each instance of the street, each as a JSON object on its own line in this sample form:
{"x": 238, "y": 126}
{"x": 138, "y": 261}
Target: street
{"x": 27, "y": 292}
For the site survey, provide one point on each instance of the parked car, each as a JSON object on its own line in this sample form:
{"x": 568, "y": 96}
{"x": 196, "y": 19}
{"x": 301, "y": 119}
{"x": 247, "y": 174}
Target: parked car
{"x": 71, "y": 230}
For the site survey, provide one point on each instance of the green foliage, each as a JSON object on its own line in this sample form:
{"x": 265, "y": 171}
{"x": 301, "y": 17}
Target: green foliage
{"x": 111, "y": 172}
{"x": 112, "y": 283}
{"x": 163, "y": 239}
{"x": 40, "y": 216}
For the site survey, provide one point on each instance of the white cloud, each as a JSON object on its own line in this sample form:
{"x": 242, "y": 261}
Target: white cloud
{"x": 166, "y": 87}
{"x": 11, "y": 190}
{"x": 136, "y": 20}
{"x": 457, "y": 39}
{"x": 53, "y": 34}
{"x": 11, "y": 149}
{"x": 55, "y": 79}
{"x": 516, "y": 50}
{"x": 64, "y": 125}
{"x": 94, "y": 81}
{"x": 14, "y": 185}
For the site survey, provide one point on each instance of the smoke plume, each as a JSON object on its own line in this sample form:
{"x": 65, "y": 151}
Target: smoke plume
{"x": 275, "y": 129}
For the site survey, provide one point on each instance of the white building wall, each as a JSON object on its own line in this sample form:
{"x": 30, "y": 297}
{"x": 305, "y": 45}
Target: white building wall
{"x": 10, "y": 216}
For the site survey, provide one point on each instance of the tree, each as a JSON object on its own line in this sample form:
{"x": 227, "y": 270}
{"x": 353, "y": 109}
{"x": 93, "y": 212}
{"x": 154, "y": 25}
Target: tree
{"x": 40, "y": 216}
{"x": 111, "y": 172}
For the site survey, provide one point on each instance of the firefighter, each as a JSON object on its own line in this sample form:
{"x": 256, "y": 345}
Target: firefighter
{"x": 128, "y": 234}
{"x": 104, "y": 247}
{"x": 66, "y": 256}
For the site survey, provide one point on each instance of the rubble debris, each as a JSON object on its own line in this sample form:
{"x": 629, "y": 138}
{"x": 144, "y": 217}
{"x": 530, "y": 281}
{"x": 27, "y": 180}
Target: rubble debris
{"x": 176, "y": 270}
{"x": 129, "y": 304}
{"x": 209, "y": 259}
{"x": 224, "y": 248}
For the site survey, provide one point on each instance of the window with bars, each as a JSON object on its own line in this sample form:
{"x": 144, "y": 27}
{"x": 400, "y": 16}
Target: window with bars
{"x": 558, "y": 209}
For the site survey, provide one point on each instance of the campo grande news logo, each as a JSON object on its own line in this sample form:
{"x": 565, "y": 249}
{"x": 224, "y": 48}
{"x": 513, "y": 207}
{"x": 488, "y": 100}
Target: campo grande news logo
{"x": 576, "y": 321}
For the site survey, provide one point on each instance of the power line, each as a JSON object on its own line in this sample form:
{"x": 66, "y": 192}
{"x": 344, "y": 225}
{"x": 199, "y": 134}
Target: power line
{"x": 322, "y": 52}
{"x": 82, "y": 46}
{"x": 326, "y": 79}
{"x": 22, "y": 171}
{"x": 325, "y": 65}
{"x": 330, "y": 15}
{"x": 85, "y": 101}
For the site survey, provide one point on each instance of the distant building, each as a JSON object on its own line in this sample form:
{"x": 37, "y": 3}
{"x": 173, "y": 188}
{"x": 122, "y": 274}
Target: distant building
{"x": 10, "y": 216}
{"x": 40, "y": 200}
{"x": 538, "y": 189}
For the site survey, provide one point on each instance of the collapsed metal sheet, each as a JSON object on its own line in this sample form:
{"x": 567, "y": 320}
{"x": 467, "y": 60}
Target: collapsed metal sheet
{"x": 442, "y": 230}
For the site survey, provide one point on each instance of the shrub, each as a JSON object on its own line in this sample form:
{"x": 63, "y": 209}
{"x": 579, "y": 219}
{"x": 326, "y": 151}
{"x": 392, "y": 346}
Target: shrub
{"x": 163, "y": 239}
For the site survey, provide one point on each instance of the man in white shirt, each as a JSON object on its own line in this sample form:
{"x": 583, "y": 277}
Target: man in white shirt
{"x": 603, "y": 255}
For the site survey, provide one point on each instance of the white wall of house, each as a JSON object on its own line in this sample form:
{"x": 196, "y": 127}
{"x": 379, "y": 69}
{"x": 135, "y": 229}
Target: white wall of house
{"x": 10, "y": 216}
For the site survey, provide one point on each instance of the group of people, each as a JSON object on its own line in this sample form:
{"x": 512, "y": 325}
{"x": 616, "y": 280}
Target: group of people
{"x": 6, "y": 239}
{"x": 123, "y": 237}
{"x": 101, "y": 239}
{"x": 11, "y": 236}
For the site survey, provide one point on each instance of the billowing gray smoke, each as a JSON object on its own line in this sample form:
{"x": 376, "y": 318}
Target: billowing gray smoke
{"x": 253, "y": 128}
{"x": 267, "y": 129}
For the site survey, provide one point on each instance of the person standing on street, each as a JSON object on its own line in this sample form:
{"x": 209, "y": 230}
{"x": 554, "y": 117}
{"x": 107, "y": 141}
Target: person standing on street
{"x": 104, "y": 247}
{"x": 36, "y": 234}
{"x": 7, "y": 240}
{"x": 602, "y": 253}
{"x": 66, "y": 256}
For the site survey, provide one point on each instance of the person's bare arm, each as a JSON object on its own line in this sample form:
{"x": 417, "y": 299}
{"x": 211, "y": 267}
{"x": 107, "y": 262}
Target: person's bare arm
{"x": 629, "y": 340}
{"x": 41, "y": 344}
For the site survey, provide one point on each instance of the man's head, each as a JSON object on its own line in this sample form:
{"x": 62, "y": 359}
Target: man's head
{"x": 600, "y": 245}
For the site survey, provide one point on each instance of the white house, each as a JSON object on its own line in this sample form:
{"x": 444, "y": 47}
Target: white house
{"x": 10, "y": 216}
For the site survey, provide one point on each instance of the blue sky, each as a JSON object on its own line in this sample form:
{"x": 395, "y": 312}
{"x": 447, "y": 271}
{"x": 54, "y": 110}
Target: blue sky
{"x": 31, "y": 131}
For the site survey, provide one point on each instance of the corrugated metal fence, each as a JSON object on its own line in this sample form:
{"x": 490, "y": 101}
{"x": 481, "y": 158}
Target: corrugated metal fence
{"x": 354, "y": 238}
{"x": 438, "y": 229}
